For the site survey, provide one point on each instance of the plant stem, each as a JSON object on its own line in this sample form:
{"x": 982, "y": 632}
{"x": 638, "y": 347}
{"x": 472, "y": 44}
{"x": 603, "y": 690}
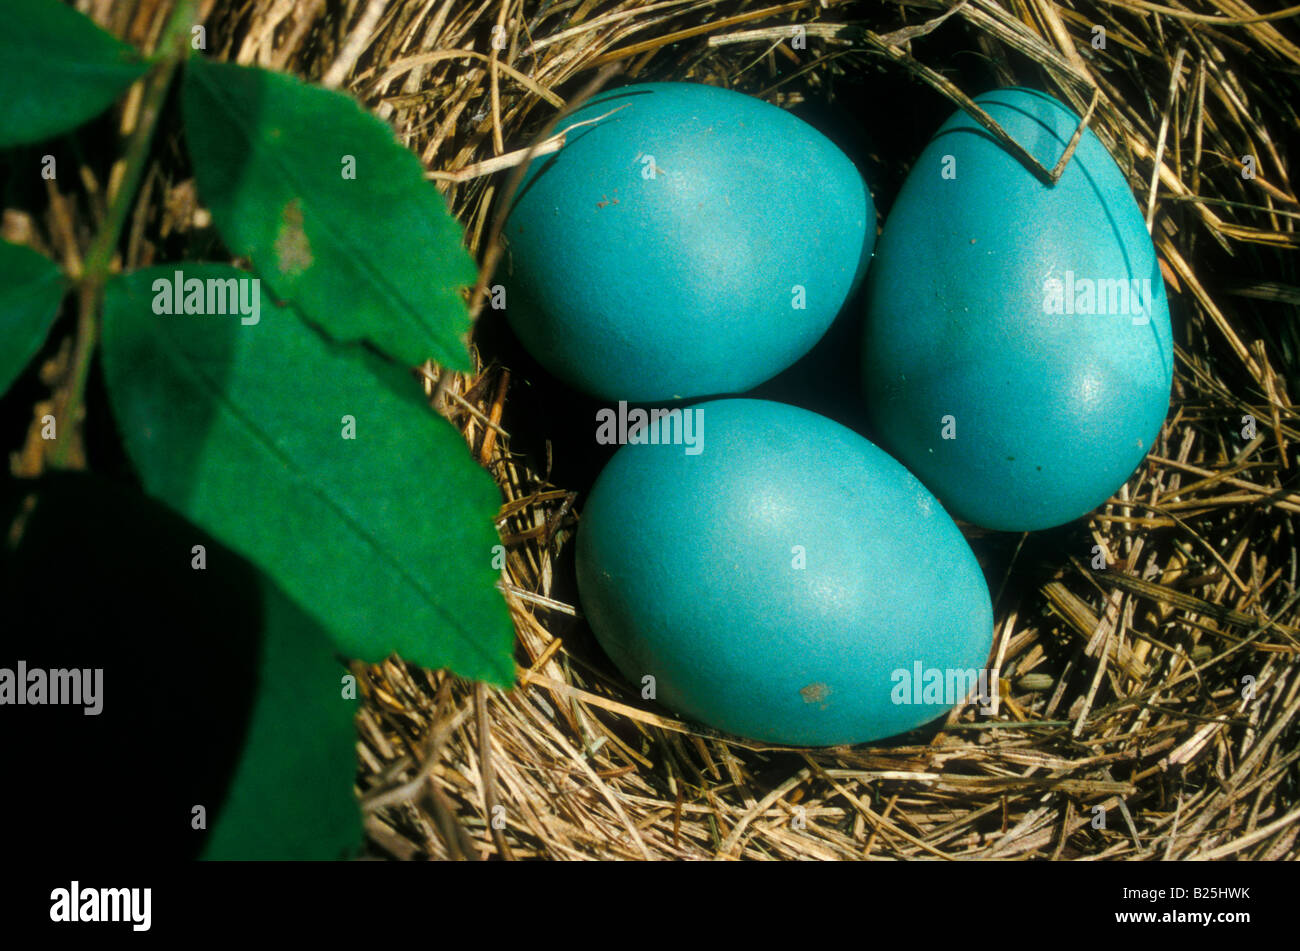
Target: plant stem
{"x": 173, "y": 47}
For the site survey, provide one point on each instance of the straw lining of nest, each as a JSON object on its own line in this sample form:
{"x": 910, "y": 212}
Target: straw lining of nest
{"x": 1121, "y": 688}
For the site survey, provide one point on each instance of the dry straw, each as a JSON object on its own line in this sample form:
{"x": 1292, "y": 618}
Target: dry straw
{"x": 1164, "y": 689}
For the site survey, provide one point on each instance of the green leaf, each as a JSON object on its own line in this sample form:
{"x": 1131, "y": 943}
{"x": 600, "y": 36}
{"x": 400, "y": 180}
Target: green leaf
{"x": 385, "y": 539}
{"x": 373, "y": 257}
{"x": 60, "y": 69}
{"x": 31, "y": 287}
{"x": 291, "y": 796}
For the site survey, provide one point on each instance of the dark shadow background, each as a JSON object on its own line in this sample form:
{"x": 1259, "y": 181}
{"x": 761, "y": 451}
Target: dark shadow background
{"x": 102, "y": 577}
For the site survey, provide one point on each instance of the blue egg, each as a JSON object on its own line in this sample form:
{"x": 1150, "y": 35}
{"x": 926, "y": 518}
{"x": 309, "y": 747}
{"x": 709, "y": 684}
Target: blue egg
{"x": 1017, "y": 353}
{"x": 693, "y": 241}
{"x": 780, "y": 578}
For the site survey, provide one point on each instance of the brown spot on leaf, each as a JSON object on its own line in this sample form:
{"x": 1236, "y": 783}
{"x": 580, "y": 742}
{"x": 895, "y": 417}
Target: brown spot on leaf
{"x": 292, "y": 249}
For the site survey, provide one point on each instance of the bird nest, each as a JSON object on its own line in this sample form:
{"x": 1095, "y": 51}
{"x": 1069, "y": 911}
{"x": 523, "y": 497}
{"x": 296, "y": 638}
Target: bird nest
{"x": 1150, "y": 685}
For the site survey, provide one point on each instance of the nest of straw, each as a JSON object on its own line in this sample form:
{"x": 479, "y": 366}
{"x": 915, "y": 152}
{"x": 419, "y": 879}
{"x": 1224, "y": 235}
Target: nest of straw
{"x": 1164, "y": 689}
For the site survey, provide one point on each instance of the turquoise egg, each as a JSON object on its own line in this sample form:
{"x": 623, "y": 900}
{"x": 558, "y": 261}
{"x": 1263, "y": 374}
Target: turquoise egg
{"x": 693, "y": 241}
{"x": 774, "y": 575}
{"x": 1017, "y": 353}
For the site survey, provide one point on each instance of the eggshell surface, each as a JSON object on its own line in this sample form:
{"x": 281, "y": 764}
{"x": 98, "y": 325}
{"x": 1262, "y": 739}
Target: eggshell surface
{"x": 782, "y": 582}
{"x": 686, "y": 241}
{"x": 1017, "y": 352}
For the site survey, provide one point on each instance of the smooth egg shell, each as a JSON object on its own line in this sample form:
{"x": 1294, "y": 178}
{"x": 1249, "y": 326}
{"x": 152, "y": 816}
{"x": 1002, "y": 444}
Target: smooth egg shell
{"x": 777, "y": 582}
{"x": 696, "y": 241}
{"x": 1017, "y": 417}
